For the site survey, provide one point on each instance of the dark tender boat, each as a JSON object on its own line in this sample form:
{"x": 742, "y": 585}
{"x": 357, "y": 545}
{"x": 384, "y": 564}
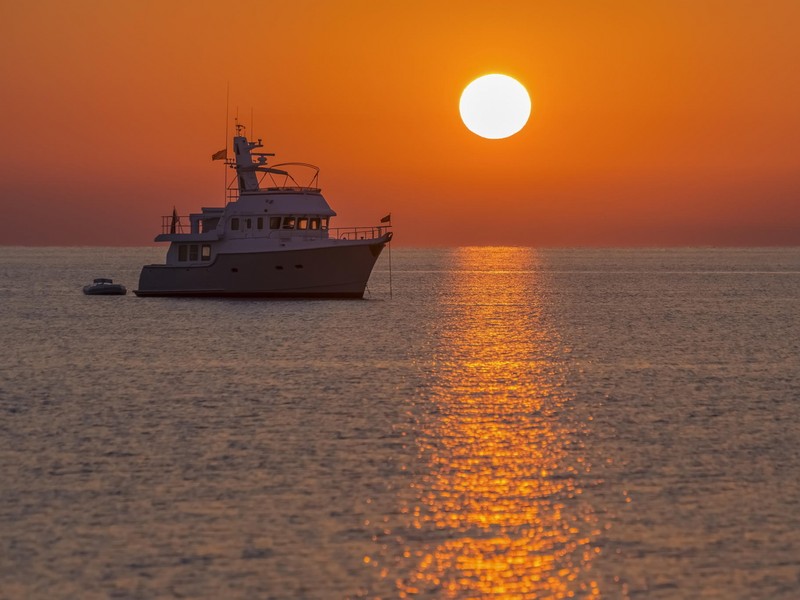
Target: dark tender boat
{"x": 105, "y": 287}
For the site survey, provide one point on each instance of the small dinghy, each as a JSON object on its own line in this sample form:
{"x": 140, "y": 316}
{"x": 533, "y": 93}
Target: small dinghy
{"x": 105, "y": 287}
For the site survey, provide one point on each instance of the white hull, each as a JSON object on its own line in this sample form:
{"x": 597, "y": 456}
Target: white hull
{"x": 337, "y": 270}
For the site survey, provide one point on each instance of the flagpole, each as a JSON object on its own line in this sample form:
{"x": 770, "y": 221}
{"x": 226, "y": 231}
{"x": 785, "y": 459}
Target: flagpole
{"x": 390, "y": 269}
{"x": 390, "y": 260}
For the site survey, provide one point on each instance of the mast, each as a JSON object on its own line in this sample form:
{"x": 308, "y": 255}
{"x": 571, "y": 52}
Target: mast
{"x": 245, "y": 166}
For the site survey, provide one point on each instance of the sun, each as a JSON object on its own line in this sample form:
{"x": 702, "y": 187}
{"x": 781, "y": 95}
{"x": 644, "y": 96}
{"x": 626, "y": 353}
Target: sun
{"x": 495, "y": 106}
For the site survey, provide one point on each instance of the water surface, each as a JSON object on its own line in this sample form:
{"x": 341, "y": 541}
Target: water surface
{"x": 510, "y": 423}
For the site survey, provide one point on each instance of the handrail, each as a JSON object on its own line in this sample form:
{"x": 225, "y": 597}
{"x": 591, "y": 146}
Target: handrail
{"x": 179, "y": 220}
{"x": 289, "y": 188}
{"x": 183, "y": 225}
{"x": 359, "y": 233}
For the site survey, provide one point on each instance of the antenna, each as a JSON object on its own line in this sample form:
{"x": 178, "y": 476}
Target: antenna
{"x": 224, "y": 172}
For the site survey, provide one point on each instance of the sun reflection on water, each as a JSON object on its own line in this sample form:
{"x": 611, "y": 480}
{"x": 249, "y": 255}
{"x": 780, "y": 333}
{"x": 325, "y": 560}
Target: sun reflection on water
{"x": 495, "y": 508}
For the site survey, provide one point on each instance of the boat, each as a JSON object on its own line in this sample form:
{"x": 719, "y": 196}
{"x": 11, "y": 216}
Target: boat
{"x": 105, "y": 287}
{"x": 271, "y": 239}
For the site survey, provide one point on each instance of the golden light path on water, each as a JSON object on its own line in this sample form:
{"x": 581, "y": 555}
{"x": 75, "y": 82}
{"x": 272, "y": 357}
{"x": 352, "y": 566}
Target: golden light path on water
{"x": 495, "y": 508}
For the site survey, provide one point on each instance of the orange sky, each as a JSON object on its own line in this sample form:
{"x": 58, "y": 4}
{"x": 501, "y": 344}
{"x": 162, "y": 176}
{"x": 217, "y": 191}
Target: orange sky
{"x": 654, "y": 123}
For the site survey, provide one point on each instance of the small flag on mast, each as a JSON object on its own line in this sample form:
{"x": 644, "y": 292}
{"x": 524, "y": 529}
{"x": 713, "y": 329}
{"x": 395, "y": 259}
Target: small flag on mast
{"x": 173, "y": 226}
{"x": 387, "y": 218}
{"x": 221, "y": 155}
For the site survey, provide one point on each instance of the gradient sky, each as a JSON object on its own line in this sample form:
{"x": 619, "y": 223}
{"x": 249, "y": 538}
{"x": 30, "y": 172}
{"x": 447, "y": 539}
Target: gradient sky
{"x": 654, "y": 123}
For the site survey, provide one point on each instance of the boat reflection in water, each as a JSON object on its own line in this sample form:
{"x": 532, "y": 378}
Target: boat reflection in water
{"x": 495, "y": 508}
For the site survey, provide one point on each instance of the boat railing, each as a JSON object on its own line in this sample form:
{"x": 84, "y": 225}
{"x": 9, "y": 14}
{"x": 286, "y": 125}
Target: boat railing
{"x": 359, "y": 233}
{"x": 290, "y": 188}
{"x": 232, "y": 191}
{"x": 175, "y": 224}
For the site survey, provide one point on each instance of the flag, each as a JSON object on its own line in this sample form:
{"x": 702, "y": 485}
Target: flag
{"x": 387, "y": 218}
{"x": 221, "y": 155}
{"x": 174, "y": 224}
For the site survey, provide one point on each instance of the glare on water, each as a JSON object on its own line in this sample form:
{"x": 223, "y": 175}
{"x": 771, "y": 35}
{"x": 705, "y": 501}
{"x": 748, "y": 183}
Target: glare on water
{"x": 497, "y": 509}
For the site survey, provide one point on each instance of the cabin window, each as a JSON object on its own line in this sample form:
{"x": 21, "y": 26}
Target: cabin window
{"x": 248, "y": 223}
{"x": 208, "y": 224}
{"x": 205, "y": 252}
{"x": 260, "y": 222}
{"x": 288, "y": 222}
{"x": 302, "y": 223}
{"x": 314, "y": 223}
{"x": 274, "y": 222}
{"x": 235, "y": 223}
{"x": 183, "y": 252}
{"x": 324, "y": 224}
{"x": 193, "y": 252}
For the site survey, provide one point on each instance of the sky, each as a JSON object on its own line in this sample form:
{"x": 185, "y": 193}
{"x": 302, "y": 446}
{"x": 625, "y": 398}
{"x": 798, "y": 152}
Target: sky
{"x": 659, "y": 123}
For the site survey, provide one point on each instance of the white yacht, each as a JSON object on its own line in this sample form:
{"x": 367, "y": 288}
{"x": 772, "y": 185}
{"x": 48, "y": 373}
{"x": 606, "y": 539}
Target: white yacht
{"x": 272, "y": 239}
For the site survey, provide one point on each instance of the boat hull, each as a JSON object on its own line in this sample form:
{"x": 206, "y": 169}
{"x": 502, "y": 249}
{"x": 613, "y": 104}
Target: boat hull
{"x": 105, "y": 290}
{"x": 338, "y": 271}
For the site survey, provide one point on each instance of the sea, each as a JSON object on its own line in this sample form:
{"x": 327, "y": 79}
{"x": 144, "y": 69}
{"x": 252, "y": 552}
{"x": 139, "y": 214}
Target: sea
{"x": 488, "y": 422}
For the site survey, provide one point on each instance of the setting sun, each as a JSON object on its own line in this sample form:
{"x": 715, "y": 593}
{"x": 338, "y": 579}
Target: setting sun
{"x": 495, "y": 106}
